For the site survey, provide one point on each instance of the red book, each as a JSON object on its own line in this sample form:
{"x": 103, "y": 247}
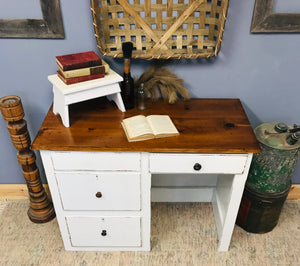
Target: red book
{"x": 73, "y": 80}
{"x": 78, "y": 60}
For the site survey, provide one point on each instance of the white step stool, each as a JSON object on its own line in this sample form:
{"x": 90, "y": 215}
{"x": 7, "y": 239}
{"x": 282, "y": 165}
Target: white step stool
{"x": 64, "y": 95}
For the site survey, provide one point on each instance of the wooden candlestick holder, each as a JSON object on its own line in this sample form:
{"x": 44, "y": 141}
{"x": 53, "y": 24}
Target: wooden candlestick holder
{"x": 41, "y": 208}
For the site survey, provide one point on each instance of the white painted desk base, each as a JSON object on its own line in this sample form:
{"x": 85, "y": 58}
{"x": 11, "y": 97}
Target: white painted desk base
{"x": 224, "y": 190}
{"x": 64, "y": 95}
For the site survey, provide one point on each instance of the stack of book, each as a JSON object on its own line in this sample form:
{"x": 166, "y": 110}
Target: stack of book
{"x": 79, "y": 67}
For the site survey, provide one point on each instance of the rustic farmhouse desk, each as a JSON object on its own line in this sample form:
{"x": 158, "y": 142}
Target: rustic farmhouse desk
{"x": 101, "y": 184}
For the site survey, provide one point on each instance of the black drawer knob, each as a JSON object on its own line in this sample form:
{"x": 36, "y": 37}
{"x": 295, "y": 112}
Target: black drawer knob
{"x": 103, "y": 233}
{"x": 197, "y": 166}
{"x": 98, "y": 194}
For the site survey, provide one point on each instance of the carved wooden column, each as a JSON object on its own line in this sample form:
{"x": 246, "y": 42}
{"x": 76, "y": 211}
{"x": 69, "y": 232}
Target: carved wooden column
{"x": 41, "y": 208}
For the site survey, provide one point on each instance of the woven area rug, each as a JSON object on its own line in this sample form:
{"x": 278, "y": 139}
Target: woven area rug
{"x": 181, "y": 234}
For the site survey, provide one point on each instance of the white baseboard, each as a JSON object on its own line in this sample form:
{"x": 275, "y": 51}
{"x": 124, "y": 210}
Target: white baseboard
{"x": 159, "y": 194}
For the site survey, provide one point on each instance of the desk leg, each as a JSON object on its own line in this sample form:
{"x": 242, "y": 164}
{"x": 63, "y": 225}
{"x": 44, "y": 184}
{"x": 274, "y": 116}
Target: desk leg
{"x": 146, "y": 202}
{"x": 226, "y": 201}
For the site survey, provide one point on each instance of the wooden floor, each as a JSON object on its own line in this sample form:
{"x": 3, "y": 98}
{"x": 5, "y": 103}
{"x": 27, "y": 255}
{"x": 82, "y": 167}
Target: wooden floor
{"x": 181, "y": 234}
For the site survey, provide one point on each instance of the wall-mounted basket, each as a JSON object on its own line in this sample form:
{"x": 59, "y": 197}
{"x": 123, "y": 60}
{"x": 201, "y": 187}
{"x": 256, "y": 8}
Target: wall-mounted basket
{"x": 160, "y": 28}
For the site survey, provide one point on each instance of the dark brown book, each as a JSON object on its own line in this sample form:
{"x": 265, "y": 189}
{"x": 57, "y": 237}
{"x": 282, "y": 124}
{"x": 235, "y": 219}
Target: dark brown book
{"x": 73, "y": 80}
{"x": 78, "y": 60}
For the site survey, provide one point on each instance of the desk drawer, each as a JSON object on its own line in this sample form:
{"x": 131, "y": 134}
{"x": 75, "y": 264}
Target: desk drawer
{"x": 104, "y": 231}
{"x": 193, "y": 163}
{"x": 99, "y": 191}
{"x": 96, "y": 161}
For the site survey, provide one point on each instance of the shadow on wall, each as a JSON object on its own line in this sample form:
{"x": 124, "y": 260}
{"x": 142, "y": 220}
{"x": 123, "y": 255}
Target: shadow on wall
{"x": 253, "y": 118}
{"x": 35, "y": 113}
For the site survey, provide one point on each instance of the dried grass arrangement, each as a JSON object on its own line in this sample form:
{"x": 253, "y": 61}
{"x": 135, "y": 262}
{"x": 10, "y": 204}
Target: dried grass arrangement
{"x": 159, "y": 82}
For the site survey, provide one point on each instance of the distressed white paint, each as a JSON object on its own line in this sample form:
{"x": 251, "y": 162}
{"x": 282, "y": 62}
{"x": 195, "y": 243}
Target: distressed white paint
{"x": 80, "y": 225}
{"x": 134, "y": 180}
{"x": 119, "y": 190}
{"x": 107, "y": 161}
{"x": 182, "y": 194}
{"x": 226, "y": 202}
{"x": 184, "y": 180}
{"x": 87, "y": 231}
{"x": 184, "y": 163}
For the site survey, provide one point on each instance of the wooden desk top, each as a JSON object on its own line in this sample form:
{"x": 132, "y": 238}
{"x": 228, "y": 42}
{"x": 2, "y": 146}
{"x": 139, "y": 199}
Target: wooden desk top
{"x": 205, "y": 126}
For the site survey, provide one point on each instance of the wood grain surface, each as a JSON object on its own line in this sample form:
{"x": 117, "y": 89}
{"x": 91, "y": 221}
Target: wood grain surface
{"x": 205, "y": 126}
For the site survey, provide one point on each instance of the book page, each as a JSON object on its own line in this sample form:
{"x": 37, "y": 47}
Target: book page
{"x": 162, "y": 125}
{"x": 136, "y": 126}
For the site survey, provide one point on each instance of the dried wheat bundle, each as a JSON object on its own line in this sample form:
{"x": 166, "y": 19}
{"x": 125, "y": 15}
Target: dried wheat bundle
{"x": 160, "y": 82}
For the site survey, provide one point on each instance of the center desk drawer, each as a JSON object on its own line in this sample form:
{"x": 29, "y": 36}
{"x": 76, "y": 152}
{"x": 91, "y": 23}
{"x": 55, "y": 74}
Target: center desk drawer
{"x": 197, "y": 163}
{"x": 99, "y": 191}
{"x": 105, "y": 231}
{"x": 76, "y": 160}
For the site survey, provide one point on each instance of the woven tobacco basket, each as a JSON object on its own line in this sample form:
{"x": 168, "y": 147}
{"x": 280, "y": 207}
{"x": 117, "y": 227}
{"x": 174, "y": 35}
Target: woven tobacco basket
{"x": 160, "y": 28}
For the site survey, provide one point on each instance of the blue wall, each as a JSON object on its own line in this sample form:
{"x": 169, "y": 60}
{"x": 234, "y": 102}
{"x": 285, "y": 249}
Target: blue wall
{"x": 261, "y": 70}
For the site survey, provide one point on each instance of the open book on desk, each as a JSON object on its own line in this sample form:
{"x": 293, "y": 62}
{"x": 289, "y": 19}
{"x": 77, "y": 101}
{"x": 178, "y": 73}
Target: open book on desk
{"x": 141, "y": 127}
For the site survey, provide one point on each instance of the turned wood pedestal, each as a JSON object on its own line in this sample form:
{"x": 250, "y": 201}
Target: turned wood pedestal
{"x": 41, "y": 208}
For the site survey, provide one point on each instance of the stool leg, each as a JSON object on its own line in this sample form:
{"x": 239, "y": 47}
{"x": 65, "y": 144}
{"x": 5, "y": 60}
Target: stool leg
{"x": 56, "y": 100}
{"x": 64, "y": 115}
{"x": 60, "y": 107}
{"x": 116, "y": 97}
